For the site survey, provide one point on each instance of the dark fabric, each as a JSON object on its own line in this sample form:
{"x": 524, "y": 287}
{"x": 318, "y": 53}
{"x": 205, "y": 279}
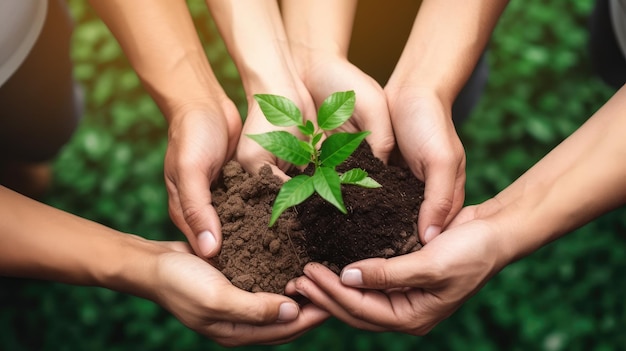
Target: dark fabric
{"x": 38, "y": 104}
{"x": 606, "y": 57}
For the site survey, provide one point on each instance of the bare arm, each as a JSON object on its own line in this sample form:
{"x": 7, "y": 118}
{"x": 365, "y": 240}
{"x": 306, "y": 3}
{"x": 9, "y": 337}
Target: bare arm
{"x": 255, "y": 37}
{"x": 42, "y": 242}
{"x": 446, "y": 41}
{"x": 319, "y": 36}
{"x": 163, "y": 47}
{"x": 579, "y": 180}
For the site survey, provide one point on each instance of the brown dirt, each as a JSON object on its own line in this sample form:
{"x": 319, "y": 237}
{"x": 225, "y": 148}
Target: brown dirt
{"x": 380, "y": 223}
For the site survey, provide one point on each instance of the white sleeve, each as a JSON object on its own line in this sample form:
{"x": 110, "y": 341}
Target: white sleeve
{"x": 20, "y": 24}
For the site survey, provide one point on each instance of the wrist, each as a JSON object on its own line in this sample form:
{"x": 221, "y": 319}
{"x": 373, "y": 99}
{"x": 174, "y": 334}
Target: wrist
{"x": 412, "y": 85}
{"x": 130, "y": 266}
{"x": 308, "y": 59}
{"x": 269, "y": 73}
{"x": 189, "y": 83}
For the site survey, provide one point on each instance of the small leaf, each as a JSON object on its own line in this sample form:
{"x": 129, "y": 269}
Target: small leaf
{"x": 293, "y": 192}
{"x": 352, "y": 176}
{"x": 357, "y": 176}
{"x": 337, "y": 147}
{"x": 307, "y": 129}
{"x": 316, "y": 138}
{"x": 368, "y": 182}
{"x": 283, "y": 145}
{"x": 279, "y": 110}
{"x": 336, "y": 110}
{"x": 308, "y": 147}
{"x": 328, "y": 186}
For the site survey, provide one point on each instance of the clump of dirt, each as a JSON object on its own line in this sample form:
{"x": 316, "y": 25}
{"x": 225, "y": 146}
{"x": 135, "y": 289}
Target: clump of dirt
{"x": 380, "y": 223}
{"x": 256, "y": 257}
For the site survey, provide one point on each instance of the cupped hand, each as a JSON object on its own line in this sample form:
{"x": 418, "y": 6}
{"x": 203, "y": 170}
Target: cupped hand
{"x": 200, "y": 141}
{"x": 410, "y": 293}
{"x": 205, "y": 301}
{"x": 249, "y": 153}
{"x": 330, "y": 74}
{"x": 428, "y": 142}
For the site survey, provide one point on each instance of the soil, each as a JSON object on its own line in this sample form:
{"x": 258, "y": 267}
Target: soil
{"x": 380, "y": 223}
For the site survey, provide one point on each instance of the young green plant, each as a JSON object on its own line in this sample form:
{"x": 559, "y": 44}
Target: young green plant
{"x": 335, "y": 149}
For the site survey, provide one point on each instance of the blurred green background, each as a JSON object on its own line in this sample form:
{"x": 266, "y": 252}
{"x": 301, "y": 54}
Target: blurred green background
{"x": 567, "y": 296}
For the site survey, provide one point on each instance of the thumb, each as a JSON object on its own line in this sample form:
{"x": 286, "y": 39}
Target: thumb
{"x": 443, "y": 197}
{"x": 374, "y": 117}
{"x": 380, "y": 273}
{"x": 201, "y": 223}
{"x": 261, "y": 308}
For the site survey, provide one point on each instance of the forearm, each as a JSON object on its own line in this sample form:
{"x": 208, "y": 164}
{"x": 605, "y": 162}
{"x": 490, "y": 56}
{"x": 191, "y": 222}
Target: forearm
{"x": 317, "y": 27}
{"x": 255, "y": 38}
{"x": 161, "y": 42}
{"x": 579, "y": 180}
{"x": 444, "y": 46}
{"x": 41, "y": 242}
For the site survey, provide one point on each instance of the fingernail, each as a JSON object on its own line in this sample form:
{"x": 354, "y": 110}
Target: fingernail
{"x": 206, "y": 242}
{"x": 287, "y": 312}
{"x": 352, "y": 277}
{"x": 431, "y": 232}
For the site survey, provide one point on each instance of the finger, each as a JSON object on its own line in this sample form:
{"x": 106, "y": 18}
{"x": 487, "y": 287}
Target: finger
{"x": 443, "y": 197}
{"x": 252, "y": 158}
{"x": 234, "y": 125}
{"x": 368, "y": 309}
{"x": 239, "y": 334}
{"x": 177, "y": 246}
{"x": 374, "y": 117}
{"x": 240, "y": 306}
{"x": 328, "y": 293}
{"x": 392, "y": 273}
{"x": 198, "y": 214}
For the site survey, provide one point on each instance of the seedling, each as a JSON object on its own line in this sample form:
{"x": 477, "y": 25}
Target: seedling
{"x": 335, "y": 149}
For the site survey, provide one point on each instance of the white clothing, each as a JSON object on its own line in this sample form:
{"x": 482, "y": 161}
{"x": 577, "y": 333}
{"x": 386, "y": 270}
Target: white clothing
{"x": 20, "y": 24}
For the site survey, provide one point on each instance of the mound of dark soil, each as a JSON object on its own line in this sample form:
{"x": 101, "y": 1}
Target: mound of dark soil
{"x": 380, "y": 223}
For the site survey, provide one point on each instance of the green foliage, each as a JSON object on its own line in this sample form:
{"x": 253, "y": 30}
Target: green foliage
{"x": 566, "y": 296}
{"x": 326, "y": 182}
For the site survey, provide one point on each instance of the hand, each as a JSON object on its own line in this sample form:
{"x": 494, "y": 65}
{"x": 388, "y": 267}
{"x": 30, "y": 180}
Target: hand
{"x": 206, "y": 302}
{"x": 429, "y": 144}
{"x": 410, "y": 293}
{"x": 331, "y": 74}
{"x": 249, "y": 153}
{"x": 200, "y": 141}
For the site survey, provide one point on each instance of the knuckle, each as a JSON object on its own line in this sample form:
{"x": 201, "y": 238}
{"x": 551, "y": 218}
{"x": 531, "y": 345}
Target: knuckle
{"x": 357, "y": 312}
{"x": 192, "y": 215}
{"x": 443, "y": 205}
{"x": 378, "y": 277}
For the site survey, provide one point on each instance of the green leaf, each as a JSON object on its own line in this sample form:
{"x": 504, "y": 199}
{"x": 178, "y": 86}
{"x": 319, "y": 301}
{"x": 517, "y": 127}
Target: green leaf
{"x": 279, "y": 110}
{"x": 284, "y": 145}
{"x": 352, "y": 176}
{"x": 308, "y": 147}
{"x": 307, "y": 129}
{"x": 357, "y": 176}
{"x": 316, "y": 138}
{"x": 328, "y": 186}
{"x": 336, "y": 109}
{"x": 337, "y": 147}
{"x": 293, "y": 192}
{"x": 368, "y": 182}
